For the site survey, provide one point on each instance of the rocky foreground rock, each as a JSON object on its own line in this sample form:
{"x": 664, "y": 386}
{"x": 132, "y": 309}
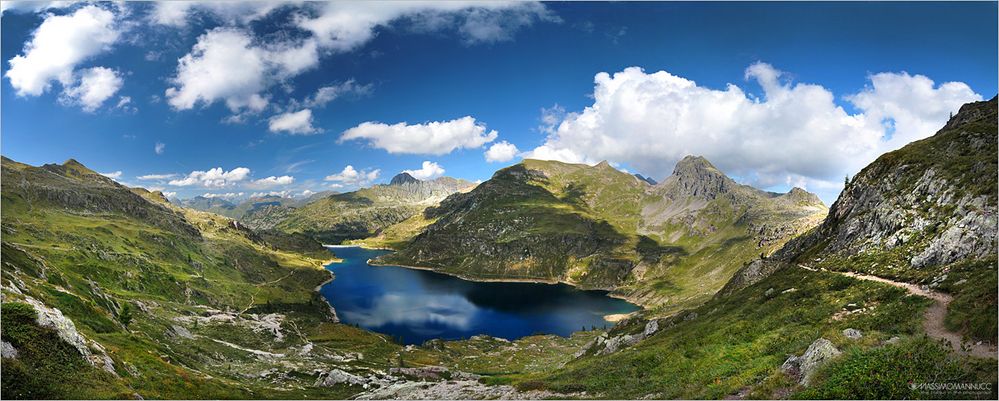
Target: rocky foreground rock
{"x": 803, "y": 368}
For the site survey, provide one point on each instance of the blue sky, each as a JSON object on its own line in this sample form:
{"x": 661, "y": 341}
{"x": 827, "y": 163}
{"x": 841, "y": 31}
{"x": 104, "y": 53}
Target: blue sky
{"x": 818, "y": 90}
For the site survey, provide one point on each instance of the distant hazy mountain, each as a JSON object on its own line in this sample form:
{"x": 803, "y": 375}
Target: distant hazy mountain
{"x": 358, "y": 214}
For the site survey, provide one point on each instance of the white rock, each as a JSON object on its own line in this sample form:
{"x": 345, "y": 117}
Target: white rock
{"x": 54, "y": 319}
{"x": 651, "y": 328}
{"x": 7, "y": 350}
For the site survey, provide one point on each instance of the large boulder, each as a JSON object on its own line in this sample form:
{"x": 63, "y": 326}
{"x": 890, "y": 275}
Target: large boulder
{"x": 337, "y": 376}
{"x": 7, "y": 350}
{"x": 804, "y": 367}
{"x": 852, "y": 334}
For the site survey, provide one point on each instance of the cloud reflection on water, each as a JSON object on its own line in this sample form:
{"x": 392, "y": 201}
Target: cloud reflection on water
{"x": 452, "y": 311}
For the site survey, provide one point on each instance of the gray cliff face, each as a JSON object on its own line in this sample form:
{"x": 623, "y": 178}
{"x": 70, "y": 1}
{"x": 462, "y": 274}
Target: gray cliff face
{"x": 942, "y": 225}
{"x": 932, "y": 202}
{"x": 915, "y": 210}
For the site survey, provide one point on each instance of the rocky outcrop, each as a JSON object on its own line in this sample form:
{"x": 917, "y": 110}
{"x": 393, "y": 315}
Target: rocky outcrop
{"x": 933, "y": 202}
{"x": 803, "y": 368}
{"x": 914, "y": 210}
{"x": 91, "y": 351}
{"x": 7, "y": 350}
{"x": 423, "y": 372}
{"x": 853, "y": 334}
{"x": 453, "y": 390}
{"x": 337, "y": 376}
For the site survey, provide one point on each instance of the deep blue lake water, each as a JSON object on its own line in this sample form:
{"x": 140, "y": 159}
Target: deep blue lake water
{"x": 420, "y": 305}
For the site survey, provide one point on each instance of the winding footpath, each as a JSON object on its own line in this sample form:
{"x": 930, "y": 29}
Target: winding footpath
{"x": 933, "y": 319}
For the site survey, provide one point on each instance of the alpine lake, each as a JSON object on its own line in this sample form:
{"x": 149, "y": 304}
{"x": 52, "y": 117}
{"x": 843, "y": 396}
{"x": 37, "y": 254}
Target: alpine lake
{"x": 414, "y": 306}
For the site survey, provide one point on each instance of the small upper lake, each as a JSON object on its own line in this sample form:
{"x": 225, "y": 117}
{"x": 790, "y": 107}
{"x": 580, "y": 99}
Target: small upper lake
{"x": 419, "y": 305}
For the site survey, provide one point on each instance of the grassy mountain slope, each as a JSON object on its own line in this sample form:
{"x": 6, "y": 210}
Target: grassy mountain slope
{"x": 735, "y": 345}
{"x": 669, "y": 245}
{"x": 168, "y": 302}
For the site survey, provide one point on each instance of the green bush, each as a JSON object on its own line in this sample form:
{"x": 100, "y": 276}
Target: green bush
{"x": 890, "y": 372}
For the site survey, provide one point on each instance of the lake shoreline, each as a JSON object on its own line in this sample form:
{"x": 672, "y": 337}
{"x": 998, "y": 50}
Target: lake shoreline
{"x": 609, "y": 293}
{"x": 611, "y": 318}
{"x": 362, "y": 257}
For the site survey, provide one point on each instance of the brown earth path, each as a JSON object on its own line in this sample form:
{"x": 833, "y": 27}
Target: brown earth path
{"x": 933, "y": 319}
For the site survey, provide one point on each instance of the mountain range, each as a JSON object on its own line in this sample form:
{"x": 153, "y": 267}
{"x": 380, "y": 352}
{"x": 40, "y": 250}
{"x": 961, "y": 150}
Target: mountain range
{"x": 116, "y": 292}
{"x": 596, "y": 227}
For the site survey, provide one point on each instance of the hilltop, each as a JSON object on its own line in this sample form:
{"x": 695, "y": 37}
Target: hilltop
{"x": 670, "y": 244}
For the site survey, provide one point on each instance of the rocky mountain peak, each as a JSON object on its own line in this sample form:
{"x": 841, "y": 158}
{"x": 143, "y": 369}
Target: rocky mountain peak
{"x": 74, "y": 169}
{"x": 403, "y": 178}
{"x": 696, "y": 176}
{"x": 694, "y": 165}
{"x": 801, "y": 196}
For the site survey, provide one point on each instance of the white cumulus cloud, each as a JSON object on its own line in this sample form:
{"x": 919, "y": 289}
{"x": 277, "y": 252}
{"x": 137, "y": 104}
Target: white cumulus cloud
{"x": 95, "y": 86}
{"x": 295, "y": 123}
{"x": 113, "y": 175}
{"x": 428, "y": 171}
{"x": 349, "y": 176}
{"x": 794, "y": 134}
{"x": 229, "y": 64}
{"x": 59, "y": 44}
{"x": 272, "y": 181}
{"x": 177, "y": 12}
{"x": 910, "y": 106}
{"x": 282, "y": 194}
{"x": 345, "y": 26}
{"x": 159, "y": 148}
{"x": 502, "y": 151}
{"x": 216, "y": 177}
{"x": 433, "y": 138}
{"x": 226, "y": 65}
{"x": 223, "y": 65}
